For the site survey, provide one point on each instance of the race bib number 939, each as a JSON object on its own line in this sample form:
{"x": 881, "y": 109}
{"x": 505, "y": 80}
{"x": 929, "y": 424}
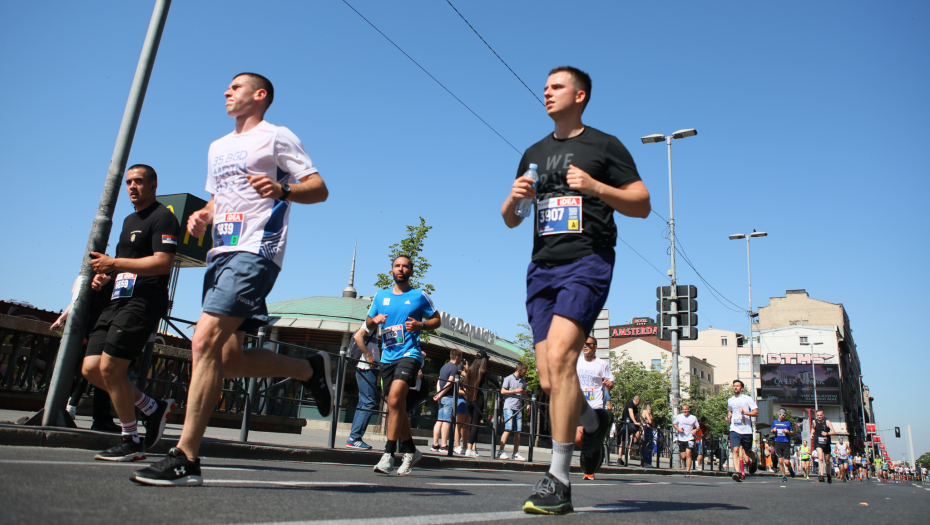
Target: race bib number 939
{"x": 227, "y": 229}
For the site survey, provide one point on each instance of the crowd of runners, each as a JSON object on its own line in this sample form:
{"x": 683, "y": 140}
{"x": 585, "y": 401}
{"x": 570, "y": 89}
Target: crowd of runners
{"x": 258, "y": 172}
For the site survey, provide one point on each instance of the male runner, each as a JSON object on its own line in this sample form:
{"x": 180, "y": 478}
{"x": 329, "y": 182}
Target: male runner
{"x": 783, "y": 429}
{"x": 584, "y": 176}
{"x": 686, "y": 425}
{"x": 254, "y": 174}
{"x": 594, "y": 375}
{"x": 740, "y": 409}
{"x": 513, "y": 388}
{"x": 822, "y": 431}
{"x": 144, "y": 258}
{"x": 842, "y": 458}
{"x": 400, "y": 311}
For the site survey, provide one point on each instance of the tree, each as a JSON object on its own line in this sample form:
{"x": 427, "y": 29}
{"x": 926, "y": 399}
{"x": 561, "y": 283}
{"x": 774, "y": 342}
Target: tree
{"x": 924, "y": 460}
{"x": 525, "y": 342}
{"x": 705, "y": 403}
{"x": 411, "y": 246}
{"x": 631, "y": 378}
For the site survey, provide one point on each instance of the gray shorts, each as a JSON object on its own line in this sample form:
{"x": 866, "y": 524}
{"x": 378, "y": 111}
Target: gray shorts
{"x": 236, "y": 285}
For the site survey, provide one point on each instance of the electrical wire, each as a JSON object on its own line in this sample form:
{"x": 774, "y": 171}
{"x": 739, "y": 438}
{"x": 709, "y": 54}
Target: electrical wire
{"x": 688, "y": 260}
{"x": 643, "y": 258}
{"x": 432, "y": 77}
{"x": 495, "y": 54}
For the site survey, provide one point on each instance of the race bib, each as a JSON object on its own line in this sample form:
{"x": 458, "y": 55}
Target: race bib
{"x": 227, "y": 229}
{"x": 392, "y": 335}
{"x": 781, "y": 431}
{"x": 822, "y": 440}
{"x": 588, "y": 394}
{"x": 559, "y": 215}
{"x": 123, "y": 286}
{"x": 691, "y": 444}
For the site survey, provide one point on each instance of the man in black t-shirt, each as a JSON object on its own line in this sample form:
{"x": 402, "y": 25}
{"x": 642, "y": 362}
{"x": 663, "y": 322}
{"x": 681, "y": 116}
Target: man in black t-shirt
{"x": 145, "y": 256}
{"x": 632, "y": 425}
{"x": 584, "y": 176}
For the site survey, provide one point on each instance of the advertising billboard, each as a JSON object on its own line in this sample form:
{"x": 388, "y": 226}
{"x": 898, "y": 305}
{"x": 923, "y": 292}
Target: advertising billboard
{"x": 870, "y": 428}
{"x": 794, "y": 384}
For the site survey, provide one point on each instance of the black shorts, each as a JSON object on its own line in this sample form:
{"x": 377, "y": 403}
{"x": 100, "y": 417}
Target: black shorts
{"x": 404, "y": 369}
{"x": 825, "y": 447}
{"x": 783, "y": 450}
{"x": 683, "y": 446}
{"x": 124, "y": 327}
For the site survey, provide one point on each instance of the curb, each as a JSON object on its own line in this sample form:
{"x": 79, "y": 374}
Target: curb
{"x": 54, "y": 437}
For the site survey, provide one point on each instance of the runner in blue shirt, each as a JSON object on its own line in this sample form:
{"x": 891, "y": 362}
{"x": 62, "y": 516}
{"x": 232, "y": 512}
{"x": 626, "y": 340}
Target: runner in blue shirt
{"x": 782, "y": 428}
{"x": 400, "y": 312}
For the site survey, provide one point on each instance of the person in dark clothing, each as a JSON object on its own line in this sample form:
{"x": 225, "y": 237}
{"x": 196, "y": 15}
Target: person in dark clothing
{"x": 476, "y": 399}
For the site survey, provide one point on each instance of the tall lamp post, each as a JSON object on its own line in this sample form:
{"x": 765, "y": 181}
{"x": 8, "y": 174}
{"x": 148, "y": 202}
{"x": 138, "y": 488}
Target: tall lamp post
{"x": 752, "y": 352}
{"x": 814, "y": 372}
{"x": 650, "y": 139}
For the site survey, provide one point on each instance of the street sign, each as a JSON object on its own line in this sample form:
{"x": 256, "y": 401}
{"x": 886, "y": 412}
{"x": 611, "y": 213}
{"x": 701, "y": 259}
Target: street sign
{"x": 876, "y": 439}
{"x": 192, "y": 251}
{"x": 870, "y": 428}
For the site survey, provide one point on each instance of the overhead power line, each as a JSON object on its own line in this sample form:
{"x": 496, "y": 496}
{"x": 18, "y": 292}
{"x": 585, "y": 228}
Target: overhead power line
{"x": 495, "y": 54}
{"x": 432, "y": 77}
{"x": 641, "y": 257}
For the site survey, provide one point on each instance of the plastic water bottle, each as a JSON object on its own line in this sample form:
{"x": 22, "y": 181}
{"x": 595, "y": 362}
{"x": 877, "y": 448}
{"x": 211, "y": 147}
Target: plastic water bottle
{"x": 525, "y": 206}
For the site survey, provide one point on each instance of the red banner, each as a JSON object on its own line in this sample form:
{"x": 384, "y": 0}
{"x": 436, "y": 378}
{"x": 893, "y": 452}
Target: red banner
{"x": 876, "y": 439}
{"x": 881, "y": 446}
{"x": 870, "y": 428}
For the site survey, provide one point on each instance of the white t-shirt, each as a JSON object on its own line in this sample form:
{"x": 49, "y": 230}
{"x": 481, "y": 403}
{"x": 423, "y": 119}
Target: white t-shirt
{"x": 842, "y": 450}
{"x": 740, "y": 423}
{"x": 591, "y": 375}
{"x": 243, "y": 220}
{"x": 687, "y": 424}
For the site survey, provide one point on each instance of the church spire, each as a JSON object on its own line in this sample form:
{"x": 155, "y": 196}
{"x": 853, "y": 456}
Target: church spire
{"x": 350, "y": 290}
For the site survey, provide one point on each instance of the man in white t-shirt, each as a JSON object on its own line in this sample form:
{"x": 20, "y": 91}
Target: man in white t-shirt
{"x": 253, "y": 176}
{"x": 686, "y": 424}
{"x": 842, "y": 458}
{"x": 740, "y": 410}
{"x": 593, "y": 375}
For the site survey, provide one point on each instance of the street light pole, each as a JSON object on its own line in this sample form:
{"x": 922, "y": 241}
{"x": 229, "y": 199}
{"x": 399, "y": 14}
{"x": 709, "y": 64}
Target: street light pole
{"x": 814, "y": 372}
{"x": 676, "y": 384}
{"x": 752, "y": 350}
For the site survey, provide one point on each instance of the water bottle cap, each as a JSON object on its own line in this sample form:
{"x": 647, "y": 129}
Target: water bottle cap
{"x": 533, "y": 166}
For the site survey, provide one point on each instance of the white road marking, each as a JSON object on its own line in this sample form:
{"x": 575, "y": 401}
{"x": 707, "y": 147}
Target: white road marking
{"x": 446, "y": 519}
{"x": 651, "y": 483}
{"x": 288, "y": 483}
{"x": 136, "y": 464}
{"x": 465, "y": 484}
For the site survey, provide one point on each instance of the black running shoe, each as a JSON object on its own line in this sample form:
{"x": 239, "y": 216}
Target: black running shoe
{"x": 753, "y": 467}
{"x": 155, "y": 426}
{"x": 321, "y": 384}
{"x": 550, "y": 496}
{"x": 173, "y": 471}
{"x": 125, "y": 450}
{"x": 592, "y": 449}
{"x": 820, "y": 479}
{"x": 736, "y": 477}
{"x": 829, "y": 478}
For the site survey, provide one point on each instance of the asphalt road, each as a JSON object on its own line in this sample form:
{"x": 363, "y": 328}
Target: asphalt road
{"x": 44, "y": 485}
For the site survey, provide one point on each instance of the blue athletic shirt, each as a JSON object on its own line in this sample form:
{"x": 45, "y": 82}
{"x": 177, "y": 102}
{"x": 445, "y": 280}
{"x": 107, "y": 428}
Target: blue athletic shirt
{"x": 781, "y": 429}
{"x": 396, "y": 341}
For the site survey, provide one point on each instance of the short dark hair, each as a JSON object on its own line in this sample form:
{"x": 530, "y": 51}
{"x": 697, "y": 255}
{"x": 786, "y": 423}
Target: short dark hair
{"x": 581, "y": 80}
{"x": 409, "y": 258}
{"x": 147, "y": 171}
{"x": 260, "y": 82}
{"x": 740, "y": 383}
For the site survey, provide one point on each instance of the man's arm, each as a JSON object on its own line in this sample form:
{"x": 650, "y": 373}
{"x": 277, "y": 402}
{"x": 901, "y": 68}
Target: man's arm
{"x": 432, "y": 323}
{"x": 831, "y": 432}
{"x": 631, "y": 199}
{"x": 198, "y": 221}
{"x": 310, "y": 190}
{"x": 522, "y": 189}
{"x": 754, "y": 412}
{"x": 372, "y": 323}
{"x": 632, "y": 416}
{"x": 359, "y": 339}
{"x": 158, "y": 264}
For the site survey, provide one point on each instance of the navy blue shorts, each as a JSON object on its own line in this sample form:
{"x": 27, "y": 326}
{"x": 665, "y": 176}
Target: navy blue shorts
{"x": 236, "y": 285}
{"x": 577, "y": 290}
{"x": 741, "y": 440}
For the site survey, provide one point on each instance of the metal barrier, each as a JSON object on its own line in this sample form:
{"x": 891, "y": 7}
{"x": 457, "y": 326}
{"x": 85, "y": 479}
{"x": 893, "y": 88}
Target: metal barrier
{"x": 27, "y": 354}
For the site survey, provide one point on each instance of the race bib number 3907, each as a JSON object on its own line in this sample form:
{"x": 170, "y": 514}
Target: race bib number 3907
{"x": 123, "y": 286}
{"x": 226, "y": 229}
{"x": 559, "y": 215}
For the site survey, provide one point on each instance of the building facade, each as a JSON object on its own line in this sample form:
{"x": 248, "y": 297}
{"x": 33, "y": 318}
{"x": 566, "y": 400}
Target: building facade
{"x": 654, "y": 357}
{"x": 724, "y": 349}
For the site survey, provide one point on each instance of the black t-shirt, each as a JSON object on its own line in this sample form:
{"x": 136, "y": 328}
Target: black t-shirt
{"x": 447, "y": 370}
{"x": 154, "y": 229}
{"x": 626, "y": 411}
{"x": 604, "y": 158}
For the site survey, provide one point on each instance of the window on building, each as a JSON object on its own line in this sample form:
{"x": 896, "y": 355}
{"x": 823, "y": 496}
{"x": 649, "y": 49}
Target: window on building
{"x": 710, "y": 378}
{"x": 803, "y": 339}
{"x": 657, "y": 365}
{"x": 702, "y": 374}
{"x": 723, "y": 341}
{"x": 743, "y": 362}
{"x": 694, "y": 372}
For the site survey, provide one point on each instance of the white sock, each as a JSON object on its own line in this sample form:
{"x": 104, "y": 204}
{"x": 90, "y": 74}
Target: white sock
{"x": 561, "y": 461}
{"x": 588, "y": 417}
{"x": 147, "y": 405}
{"x": 130, "y": 429}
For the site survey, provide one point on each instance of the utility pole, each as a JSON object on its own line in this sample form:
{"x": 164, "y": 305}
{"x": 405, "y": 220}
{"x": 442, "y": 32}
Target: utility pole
{"x": 676, "y": 386}
{"x": 70, "y": 347}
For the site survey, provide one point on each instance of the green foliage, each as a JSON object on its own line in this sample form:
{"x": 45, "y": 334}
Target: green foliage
{"x": 411, "y": 246}
{"x": 705, "y": 403}
{"x": 924, "y": 460}
{"x": 653, "y": 386}
{"x": 525, "y": 342}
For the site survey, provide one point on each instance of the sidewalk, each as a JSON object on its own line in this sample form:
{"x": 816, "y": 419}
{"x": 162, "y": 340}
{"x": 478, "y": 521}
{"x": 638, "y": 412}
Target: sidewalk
{"x": 309, "y": 446}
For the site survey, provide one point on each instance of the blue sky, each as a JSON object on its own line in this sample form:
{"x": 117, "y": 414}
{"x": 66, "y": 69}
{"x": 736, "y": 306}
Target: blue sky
{"x": 809, "y": 121}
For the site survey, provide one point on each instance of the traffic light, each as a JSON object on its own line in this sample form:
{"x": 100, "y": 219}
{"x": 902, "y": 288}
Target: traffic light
{"x": 686, "y": 305}
{"x": 897, "y": 432}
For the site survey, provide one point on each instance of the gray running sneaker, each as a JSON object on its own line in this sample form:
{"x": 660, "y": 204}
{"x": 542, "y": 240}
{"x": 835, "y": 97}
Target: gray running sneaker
{"x": 386, "y": 465}
{"x": 406, "y": 467}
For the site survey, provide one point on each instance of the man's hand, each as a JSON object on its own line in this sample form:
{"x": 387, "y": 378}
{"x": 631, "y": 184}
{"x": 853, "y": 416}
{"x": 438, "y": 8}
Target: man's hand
{"x": 102, "y": 263}
{"x": 522, "y": 189}
{"x": 379, "y": 319}
{"x": 412, "y": 325}
{"x": 100, "y": 280}
{"x": 579, "y": 180}
{"x": 197, "y": 222}
{"x": 608, "y": 383}
{"x": 265, "y": 187}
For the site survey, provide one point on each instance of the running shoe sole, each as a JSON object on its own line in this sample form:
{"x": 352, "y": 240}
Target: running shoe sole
{"x": 135, "y": 456}
{"x": 736, "y": 477}
{"x": 605, "y": 419}
{"x": 160, "y": 427}
{"x": 564, "y": 508}
{"x": 417, "y": 456}
{"x": 186, "y": 481}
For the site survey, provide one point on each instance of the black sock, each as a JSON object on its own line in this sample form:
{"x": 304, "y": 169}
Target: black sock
{"x": 390, "y": 447}
{"x": 409, "y": 447}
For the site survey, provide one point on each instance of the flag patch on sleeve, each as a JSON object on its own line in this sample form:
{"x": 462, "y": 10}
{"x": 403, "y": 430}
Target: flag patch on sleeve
{"x": 169, "y": 239}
